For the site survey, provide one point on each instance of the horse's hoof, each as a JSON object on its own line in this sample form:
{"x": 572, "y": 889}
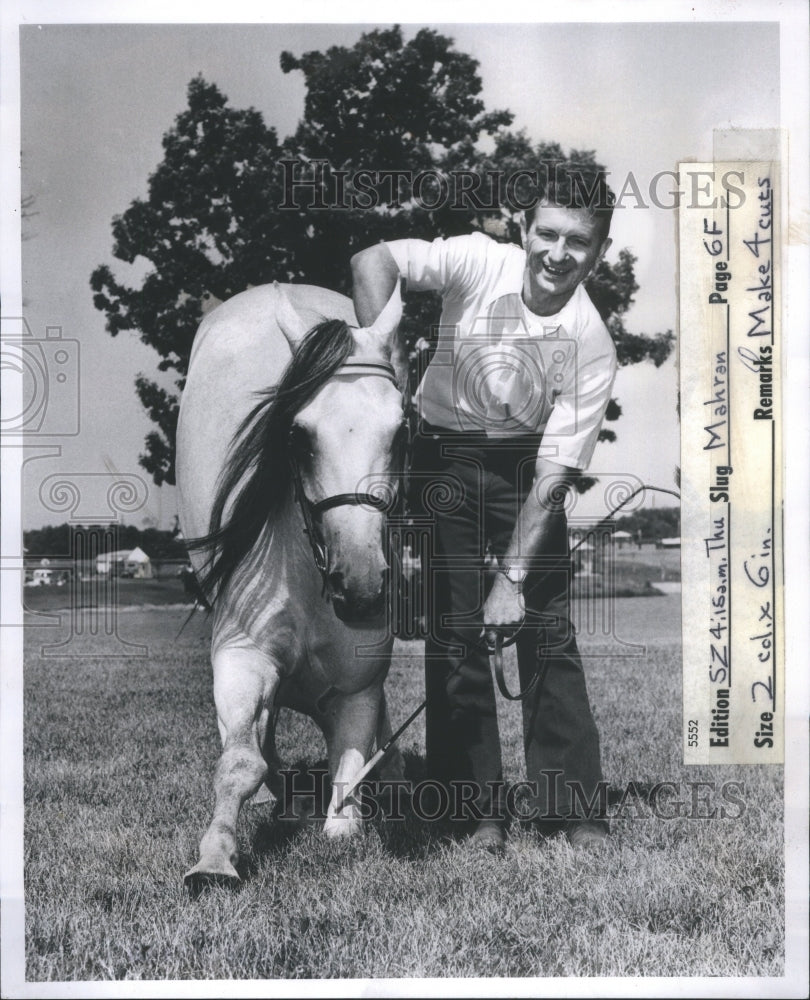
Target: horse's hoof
{"x": 262, "y": 796}
{"x": 342, "y": 827}
{"x": 199, "y": 878}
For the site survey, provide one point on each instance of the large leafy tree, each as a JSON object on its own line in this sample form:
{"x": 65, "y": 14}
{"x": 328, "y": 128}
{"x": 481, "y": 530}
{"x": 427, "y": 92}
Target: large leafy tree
{"x": 231, "y": 206}
{"x": 206, "y": 228}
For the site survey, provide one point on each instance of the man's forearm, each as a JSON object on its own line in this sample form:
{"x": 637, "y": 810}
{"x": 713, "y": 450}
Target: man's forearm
{"x": 531, "y": 540}
{"x": 374, "y": 278}
{"x": 538, "y": 516}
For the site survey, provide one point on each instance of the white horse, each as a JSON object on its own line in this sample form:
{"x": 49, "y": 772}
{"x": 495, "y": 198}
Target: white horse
{"x": 290, "y": 494}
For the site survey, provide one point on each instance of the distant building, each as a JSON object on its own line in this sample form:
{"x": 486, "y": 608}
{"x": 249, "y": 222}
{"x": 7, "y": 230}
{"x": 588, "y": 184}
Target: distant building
{"x": 584, "y": 558}
{"x": 112, "y": 562}
{"x": 590, "y": 543}
{"x": 126, "y": 562}
{"x": 45, "y": 572}
{"x": 622, "y": 538}
{"x": 139, "y": 565}
{"x": 46, "y": 578}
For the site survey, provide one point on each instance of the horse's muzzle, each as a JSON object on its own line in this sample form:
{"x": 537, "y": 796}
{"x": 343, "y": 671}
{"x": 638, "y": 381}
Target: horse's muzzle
{"x": 357, "y": 604}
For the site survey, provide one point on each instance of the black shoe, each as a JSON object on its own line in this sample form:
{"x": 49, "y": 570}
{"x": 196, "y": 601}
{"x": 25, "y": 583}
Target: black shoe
{"x": 586, "y": 835}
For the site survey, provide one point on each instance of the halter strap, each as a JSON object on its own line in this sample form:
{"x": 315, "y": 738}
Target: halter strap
{"x": 359, "y": 364}
{"x": 349, "y": 500}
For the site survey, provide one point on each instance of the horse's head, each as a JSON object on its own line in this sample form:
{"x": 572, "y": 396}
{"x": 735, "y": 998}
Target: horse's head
{"x": 345, "y": 452}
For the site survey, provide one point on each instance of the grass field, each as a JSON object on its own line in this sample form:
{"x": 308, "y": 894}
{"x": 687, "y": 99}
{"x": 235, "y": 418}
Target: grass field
{"x": 633, "y": 572}
{"x": 128, "y": 592}
{"x": 120, "y": 752}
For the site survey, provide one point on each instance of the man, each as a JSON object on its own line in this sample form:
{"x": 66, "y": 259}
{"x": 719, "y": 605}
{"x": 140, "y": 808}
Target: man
{"x": 510, "y": 406}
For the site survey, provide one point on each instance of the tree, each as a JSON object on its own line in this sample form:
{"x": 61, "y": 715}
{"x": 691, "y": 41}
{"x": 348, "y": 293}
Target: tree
{"x": 230, "y": 206}
{"x": 652, "y": 523}
{"x": 60, "y": 540}
{"x": 208, "y": 227}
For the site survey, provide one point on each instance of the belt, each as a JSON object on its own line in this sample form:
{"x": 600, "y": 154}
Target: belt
{"x": 522, "y": 441}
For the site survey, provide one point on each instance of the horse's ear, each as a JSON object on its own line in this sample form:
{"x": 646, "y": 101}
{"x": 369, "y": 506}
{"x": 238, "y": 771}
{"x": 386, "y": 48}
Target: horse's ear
{"x": 209, "y": 303}
{"x": 385, "y": 325}
{"x": 290, "y": 323}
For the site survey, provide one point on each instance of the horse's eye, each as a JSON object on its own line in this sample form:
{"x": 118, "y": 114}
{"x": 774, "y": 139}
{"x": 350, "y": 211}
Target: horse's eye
{"x": 300, "y": 442}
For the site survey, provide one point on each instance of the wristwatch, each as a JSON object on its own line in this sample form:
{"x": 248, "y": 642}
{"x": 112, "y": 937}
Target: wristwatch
{"x": 515, "y": 574}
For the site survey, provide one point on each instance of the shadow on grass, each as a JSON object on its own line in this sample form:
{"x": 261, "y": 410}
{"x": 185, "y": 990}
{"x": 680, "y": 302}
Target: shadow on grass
{"x": 277, "y": 830}
{"x": 402, "y": 833}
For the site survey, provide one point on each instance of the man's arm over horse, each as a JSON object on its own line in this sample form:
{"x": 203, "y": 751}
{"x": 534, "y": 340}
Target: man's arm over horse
{"x": 374, "y": 278}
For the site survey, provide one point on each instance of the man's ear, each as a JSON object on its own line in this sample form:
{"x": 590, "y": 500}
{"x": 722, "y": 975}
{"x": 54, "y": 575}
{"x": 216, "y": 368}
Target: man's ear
{"x": 608, "y": 243}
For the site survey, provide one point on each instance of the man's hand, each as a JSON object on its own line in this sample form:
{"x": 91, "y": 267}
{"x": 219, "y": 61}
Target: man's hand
{"x": 504, "y": 610}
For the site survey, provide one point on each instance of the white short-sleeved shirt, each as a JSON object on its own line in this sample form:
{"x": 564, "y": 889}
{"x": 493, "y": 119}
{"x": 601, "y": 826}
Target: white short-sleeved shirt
{"x": 498, "y": 367}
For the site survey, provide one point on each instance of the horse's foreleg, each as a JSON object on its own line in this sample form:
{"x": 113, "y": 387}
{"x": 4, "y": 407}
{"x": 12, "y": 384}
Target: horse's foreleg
{"x": 245, "y": 681}
{"x": 350, "y": 728}
{"x": 272, "y": 788}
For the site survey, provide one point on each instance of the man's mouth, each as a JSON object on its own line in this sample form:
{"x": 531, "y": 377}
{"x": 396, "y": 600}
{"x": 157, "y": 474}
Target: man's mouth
{"x": 555, "y": 271}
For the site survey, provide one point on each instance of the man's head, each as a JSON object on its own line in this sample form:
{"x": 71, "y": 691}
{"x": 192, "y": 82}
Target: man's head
{"x": 565, "y": 235}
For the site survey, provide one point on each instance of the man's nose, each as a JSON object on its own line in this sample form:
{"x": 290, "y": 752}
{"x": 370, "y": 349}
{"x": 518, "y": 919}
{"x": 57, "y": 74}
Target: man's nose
{"x": 558, "y": 251}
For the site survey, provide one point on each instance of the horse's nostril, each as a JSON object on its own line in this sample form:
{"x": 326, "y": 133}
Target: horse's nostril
{"x": 336, "y": 582}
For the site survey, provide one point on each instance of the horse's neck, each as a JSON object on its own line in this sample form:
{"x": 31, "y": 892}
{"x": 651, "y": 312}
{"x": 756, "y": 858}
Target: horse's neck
{"x": 279, "y": 577}
{"x": 289, "y": 528}
{"x": 288, "y": 546}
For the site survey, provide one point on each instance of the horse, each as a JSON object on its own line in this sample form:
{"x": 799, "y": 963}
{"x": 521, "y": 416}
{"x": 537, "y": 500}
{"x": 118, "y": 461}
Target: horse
{"x": 284, "y": 501}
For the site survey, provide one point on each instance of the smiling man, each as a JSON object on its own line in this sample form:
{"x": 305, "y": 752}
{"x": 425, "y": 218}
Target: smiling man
{"x": 511, "y": 406}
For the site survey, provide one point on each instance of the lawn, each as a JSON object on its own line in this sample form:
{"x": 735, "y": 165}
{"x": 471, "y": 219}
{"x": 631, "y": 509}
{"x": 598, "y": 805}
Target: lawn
{"x": 90, "y": 592}
{"x": 119, "y": 758}
{"x": 632, "y": 572}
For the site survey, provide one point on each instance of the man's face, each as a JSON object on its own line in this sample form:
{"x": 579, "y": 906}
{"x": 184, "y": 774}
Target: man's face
{"x": 562, "y": 245}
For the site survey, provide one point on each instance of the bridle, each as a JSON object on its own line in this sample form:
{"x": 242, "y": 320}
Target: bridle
{"x": 312, "y": 512}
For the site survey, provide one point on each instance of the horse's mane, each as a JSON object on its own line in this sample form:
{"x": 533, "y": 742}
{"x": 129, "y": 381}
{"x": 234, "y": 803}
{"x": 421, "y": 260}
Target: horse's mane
{"x": 258, "y": 456}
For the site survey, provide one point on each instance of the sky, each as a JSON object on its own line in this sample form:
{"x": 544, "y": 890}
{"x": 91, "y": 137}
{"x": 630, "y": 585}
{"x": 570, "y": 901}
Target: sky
{"x": 97, "y": 99}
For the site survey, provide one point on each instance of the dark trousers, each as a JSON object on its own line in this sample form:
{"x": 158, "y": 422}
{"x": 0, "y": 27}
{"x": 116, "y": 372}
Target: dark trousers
{"x": 469, "y": 491}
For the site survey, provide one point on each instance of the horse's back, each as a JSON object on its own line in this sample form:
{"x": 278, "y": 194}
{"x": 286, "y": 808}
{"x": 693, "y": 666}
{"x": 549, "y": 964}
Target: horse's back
{"x": 239, "y": 351}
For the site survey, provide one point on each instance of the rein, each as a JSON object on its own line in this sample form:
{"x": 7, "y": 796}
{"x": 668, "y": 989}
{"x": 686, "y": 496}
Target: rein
{"x": 496, "y": 639}
{"x": 495, "y": 648}
{"x": 312, "y": 511}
